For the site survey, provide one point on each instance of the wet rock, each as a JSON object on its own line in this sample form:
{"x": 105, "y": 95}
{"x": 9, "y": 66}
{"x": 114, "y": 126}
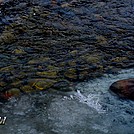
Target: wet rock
{"x": 7, "y": 37}
{"x": 27, "y": 89}
{"x": 4, "y": 96}
{"x": 111, "y": 70}
{"x": 91, "y": 58}
{"x": 13, "y": 92}
{"x": 41, "y": 84}
{"x": 72, "y": 63}
{"x": 16, "y": 82}
{"x": 1, "y": 1}
{"x": 124, "y": 88}
{"x": 101, "y": 40}
{"x": 39, "y": 60}
{"x": 45, "y": 14}
{"x": 71, "y": 74}
{"x": 119, "y": 59}
{"x": 7, "y": 69}
{"x": 21, "y": 5}
{"x": 48, "y": 74}
{"x": 19, "y": 51}
{"x": 74, "y": 52}
{"x": 62, "y": 85}
{"x": 83, "y": 75}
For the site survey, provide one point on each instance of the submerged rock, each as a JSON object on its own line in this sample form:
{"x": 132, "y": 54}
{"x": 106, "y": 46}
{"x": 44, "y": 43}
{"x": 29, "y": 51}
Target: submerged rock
{"x": 19, "y": 52}
{"x": 48, "y": 74}
{"x": 7, "y": 37}
{"x": 41, "y": 84}
{"x": 63, "y": 85}
{"x": 4, "y": 96}
{"x": 124, "y": 88}
{"x": 71, "y": 74}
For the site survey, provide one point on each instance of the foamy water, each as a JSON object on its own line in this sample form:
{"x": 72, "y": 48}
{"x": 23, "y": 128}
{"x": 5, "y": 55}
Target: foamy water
{"x": 91, "y": 109}
{"x": 97, "y": 89}
{"x": 92, "y": 100}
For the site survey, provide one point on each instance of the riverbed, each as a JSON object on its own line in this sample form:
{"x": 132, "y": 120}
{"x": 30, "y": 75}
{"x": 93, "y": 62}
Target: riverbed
{"x": 45, "y": 45}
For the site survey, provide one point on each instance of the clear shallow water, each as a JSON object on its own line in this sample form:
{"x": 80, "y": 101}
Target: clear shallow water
{"x": 92, "y": 109}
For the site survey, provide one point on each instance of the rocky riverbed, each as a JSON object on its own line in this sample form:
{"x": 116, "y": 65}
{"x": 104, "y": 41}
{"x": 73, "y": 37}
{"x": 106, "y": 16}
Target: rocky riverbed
{"x": 46, "y": 45}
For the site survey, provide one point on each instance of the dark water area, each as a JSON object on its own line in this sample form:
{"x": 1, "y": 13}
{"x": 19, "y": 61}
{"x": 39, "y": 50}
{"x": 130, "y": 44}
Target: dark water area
{"x": 54, "y": 45}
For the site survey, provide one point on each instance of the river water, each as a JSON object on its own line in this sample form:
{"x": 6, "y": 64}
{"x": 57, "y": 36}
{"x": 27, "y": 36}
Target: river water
{"x": 90, "y": 109}
{"x": 71, "y": 37}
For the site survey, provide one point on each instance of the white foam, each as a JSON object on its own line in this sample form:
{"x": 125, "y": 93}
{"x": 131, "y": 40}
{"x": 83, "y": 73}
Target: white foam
{"x": 92, "y": 100}
{"x": 93, "y": 91}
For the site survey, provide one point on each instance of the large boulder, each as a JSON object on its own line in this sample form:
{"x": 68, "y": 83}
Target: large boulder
{"x": 124, "y": 88}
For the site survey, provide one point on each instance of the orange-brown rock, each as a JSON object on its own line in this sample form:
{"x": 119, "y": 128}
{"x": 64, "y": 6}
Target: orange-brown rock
{"x": 124, "y": 88}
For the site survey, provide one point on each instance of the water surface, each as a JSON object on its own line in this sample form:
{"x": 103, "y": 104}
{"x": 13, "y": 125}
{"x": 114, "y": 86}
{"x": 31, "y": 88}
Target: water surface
{"x": 91, "y": 109}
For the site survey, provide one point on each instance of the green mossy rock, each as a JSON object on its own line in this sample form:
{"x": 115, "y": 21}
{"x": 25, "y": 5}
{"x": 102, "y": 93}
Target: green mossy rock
{"x": 27, "y": 89}
{"x": 7, "y": 69}
{"x": 48, "y": 74}
{"x": 19, "y": 51}
{"x": 13, "y": 92}
{"x": 83, "y": 75}
{"x": 92, "y": 58}
{"x": 2, "y": 84}
{"x": 39, "y": 60}
{"x": 42, "y": 84}
{"x": 7, "y": 37}
{"x": 71, "y": 74}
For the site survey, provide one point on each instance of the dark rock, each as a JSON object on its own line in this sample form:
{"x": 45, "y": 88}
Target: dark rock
{"x": 124, "y": 88}
{"x": 3, "y": 98}
{"x": 62, "y": 85}
{"x": 71, "y": 74}
{"x": 40, "y": 84}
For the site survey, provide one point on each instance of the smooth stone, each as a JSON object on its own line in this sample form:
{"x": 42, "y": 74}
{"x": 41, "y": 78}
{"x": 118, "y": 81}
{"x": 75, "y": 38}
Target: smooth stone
{"x": 27, "y": 89}
{"x": 63, "y": 85}
{"x": 13, "y": 92}
{"x": 124, "y": 88}
{"x": 38, "y": 61}
{"x": 48, "y": 74}
{"x": 71, "y": 74}
{"x": 7, "y": 69}
{"x": 4, "y": 96}
{"x": 7, "y": 37}
{"x": 19, "y": 51}
{"x": 41, "y": 84}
